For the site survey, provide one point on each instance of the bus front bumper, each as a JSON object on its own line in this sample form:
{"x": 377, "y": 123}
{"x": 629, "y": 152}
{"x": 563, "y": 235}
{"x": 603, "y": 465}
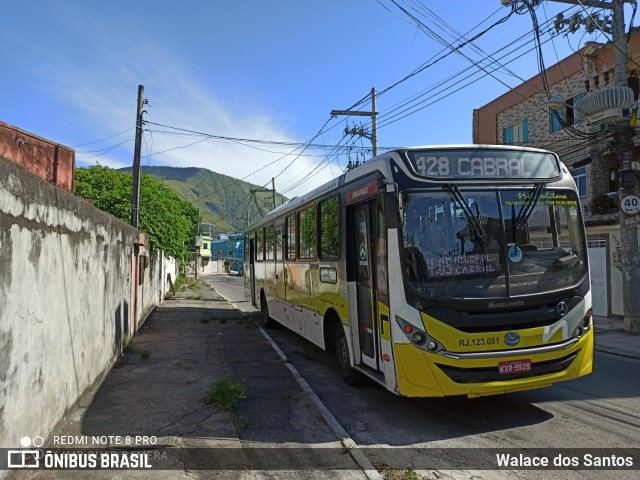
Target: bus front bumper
{"x": 424, "y": 374}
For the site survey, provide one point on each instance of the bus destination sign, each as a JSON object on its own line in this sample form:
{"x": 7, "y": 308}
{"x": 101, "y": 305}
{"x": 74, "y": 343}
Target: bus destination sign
{"x": 465, "y": 164}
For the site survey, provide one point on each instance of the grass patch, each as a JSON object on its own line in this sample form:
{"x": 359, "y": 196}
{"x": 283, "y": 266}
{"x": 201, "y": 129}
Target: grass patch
{"x": 225, "y": 393}
{"x": 391, "y": 474}
{"x": 194, "y": 297}
{"x": 285, "y": 396}
{"x": 250, "y": 324}
{"x": 134, "y": 347}
{"x": 183, "y": 283}
{"x": 179, "y": 283}
{"x": 241, "y": 423}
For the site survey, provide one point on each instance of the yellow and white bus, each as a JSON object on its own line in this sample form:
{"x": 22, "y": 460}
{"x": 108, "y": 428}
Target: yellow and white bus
{"x": 434, "y": 271}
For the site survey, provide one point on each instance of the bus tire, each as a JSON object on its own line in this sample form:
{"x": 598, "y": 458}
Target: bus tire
{"x": 349, "y": 375}
{"x": 265, "y": 319}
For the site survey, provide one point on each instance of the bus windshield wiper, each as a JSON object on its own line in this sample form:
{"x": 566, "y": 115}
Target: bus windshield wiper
{"x": 473, "y": 220}
{"x": 528, "y": 206}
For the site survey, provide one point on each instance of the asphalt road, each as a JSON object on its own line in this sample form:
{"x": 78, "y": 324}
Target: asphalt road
{"x": 598, "y": 412}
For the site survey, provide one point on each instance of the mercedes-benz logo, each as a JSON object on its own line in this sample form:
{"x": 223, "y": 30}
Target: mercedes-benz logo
{"x": 562, "y": 308}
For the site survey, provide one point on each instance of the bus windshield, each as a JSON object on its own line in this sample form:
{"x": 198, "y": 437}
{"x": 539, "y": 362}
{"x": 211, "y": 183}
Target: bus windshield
{"x": 492, "y": 244}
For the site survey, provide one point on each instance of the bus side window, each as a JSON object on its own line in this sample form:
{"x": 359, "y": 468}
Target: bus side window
{"x": 291, "y": 237}
{"x": 329, "y": 228}
{"x": 268, "y": 243}
{"x": 259, "y": 245}
{"x": 307, "y": 233}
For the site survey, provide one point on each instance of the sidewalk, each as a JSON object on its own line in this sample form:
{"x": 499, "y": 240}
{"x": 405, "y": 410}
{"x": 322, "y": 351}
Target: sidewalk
{"x": 157, "y": 389}
{"x": 610, "y": 337}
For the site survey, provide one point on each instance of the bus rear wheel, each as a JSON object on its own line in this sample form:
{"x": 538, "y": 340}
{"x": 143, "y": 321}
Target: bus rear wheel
{"x": 265, "y": 319}
{"x": 348, "y": 374}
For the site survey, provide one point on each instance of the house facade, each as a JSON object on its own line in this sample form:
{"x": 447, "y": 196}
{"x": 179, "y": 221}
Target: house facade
{"x": 523, "y": 116}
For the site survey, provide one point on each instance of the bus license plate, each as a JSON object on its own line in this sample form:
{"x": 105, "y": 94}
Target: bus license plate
{"x": 514, "y": 366}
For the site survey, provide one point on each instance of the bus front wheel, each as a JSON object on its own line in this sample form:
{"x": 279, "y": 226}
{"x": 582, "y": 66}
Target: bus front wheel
{"x": 266, "y": 320}
{"x": 348, "y": 374}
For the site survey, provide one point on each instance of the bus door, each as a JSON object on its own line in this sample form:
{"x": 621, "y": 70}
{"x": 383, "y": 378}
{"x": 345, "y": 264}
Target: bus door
{"x": 367, "y": 325}
{"x": 250, "y": 273}
{"x": 280, "y": 269}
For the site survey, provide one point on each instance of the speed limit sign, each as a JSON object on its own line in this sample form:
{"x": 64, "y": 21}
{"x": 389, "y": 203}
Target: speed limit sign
{"x": 630, "y": 204}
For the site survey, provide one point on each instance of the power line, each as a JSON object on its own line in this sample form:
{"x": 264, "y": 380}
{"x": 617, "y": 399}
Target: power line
{"x": 103, "y": 139}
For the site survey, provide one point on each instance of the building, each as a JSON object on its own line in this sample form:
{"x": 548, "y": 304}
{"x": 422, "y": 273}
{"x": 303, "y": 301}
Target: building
{"x": 222, "y": 252}
{"x": 228, "y": 250}
{"x": 204, "y": 257}
{"x": 48, "y": 160}
{"x": 523, "y": 116}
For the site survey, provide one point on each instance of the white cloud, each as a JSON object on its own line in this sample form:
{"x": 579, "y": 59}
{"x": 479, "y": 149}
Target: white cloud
{"x": 104, "y": 97}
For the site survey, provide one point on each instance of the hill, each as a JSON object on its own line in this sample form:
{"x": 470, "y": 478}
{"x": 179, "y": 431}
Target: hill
{"x": 223, "y": 201}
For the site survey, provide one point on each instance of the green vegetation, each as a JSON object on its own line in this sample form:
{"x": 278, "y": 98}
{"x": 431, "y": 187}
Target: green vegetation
{"x": 179, "y": 283}
{"x": 222, "y": 200}
{"x": 225, "y": 393}
{"x": 169, "y": 221}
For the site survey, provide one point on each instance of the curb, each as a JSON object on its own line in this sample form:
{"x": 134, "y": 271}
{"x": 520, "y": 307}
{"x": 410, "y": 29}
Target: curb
{"x": 347, "y": 442}
{"x": 361, "y": 460}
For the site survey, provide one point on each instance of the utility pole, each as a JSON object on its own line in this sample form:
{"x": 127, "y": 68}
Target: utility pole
{"x": 374, "y": 134}
{"x": 627, "y": 177}
{"x": 198, "y": 244}
{"x": 135, "y": 190}
{"x": 623, "y": 141}
{"x": 273, "y": 191}
{"x": 253, "y": 192}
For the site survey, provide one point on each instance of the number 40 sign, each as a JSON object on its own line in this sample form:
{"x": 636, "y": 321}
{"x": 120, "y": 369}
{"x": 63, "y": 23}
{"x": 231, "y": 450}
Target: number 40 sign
{"x": 630, "y": 204}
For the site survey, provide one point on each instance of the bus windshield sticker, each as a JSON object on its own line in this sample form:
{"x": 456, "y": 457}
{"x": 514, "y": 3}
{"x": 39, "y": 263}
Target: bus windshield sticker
{"x": 545, "y": 199}
{"x": 515, "y": 254}
{"x": 363, "y": 254}
{"x": 466, "y": 164}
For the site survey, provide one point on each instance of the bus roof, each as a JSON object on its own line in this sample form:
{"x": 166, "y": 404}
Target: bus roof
{"x": 379, "y": 163}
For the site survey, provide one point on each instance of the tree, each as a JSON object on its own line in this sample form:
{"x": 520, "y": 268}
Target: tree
{"x": 169, "y": 221}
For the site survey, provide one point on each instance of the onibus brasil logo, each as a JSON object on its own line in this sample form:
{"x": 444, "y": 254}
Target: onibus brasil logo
{"x": 32, "y": 456}
{"x": 26, "y": 457}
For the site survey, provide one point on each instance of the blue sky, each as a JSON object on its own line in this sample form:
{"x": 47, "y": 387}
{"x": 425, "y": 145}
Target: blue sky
{"x": 261, "y": 70}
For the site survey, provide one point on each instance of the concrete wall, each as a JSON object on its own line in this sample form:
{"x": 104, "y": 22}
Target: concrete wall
{"x": 48, "y": 160}
{"x": 69, "y": 299}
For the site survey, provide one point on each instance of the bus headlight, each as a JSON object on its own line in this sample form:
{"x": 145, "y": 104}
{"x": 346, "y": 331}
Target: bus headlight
{"x": 419, "y": 337}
